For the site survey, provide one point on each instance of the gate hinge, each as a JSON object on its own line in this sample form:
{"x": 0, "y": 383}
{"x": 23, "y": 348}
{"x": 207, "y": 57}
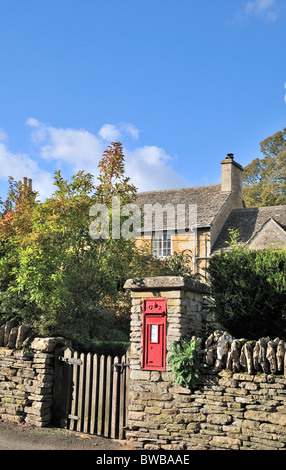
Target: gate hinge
{"x": 70, "y": 360}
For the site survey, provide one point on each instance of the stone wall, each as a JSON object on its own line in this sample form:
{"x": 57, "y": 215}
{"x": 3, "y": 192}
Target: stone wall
{"x": 227, "y": 411}
{"x": 240, "y": 400}
{"x": 26, "y": 375}
{"x": 264, "y": 355}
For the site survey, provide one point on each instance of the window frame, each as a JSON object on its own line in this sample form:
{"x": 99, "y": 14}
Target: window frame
{"x": 166, "y": 240}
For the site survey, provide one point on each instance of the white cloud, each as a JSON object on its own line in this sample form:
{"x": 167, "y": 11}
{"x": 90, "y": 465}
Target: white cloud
{"x": 262, "y": 8}
{"x": 18, "y": 165}
{"x": 149, "y": 169}
{"x": 129, "y": 129}
{"x": 33, "y": 122}
{"x": 77, "y": 147}
{"x": 72, "y": 150}
{"x": 113, "y": 133}
{"x": 266, "y": 10}
{"x": 152, "y": 155}
{"x": 109, "y": 132}
{"x": 3, "y": 135}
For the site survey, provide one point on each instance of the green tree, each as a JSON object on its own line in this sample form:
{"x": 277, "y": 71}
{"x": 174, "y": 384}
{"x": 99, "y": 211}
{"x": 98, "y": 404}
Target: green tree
{"x": 264, "y": 178}
{"x": 69, "y": 282}
{"x": 15, "y": 224}
{"x": 54, "y": 274}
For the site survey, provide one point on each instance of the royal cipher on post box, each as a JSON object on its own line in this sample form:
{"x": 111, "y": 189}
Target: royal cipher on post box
{"x": 154, "y": 334}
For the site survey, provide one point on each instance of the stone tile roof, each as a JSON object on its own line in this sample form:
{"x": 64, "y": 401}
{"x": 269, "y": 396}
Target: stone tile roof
{"x": 209, "y": 200}
{"x": 249, "y": 221}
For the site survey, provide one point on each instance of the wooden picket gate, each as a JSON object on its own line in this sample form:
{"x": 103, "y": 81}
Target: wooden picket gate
{"x": 90, "y": 393}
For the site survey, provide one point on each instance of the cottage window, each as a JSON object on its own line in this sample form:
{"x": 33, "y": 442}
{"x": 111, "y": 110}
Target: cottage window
{"x": 161, "y": 244}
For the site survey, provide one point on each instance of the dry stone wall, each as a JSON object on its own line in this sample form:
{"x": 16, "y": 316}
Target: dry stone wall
{"x": 15, "y": 336}
{"x": 264, "y": 355}
{"x": 26, "y": 375}
{"x": 227, "y": 411}
{"x": 239, "y": 403}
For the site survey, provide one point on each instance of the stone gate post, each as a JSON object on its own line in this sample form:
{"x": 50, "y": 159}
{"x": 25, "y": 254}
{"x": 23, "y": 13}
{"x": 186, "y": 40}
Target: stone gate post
{"x": 151, "y": 391}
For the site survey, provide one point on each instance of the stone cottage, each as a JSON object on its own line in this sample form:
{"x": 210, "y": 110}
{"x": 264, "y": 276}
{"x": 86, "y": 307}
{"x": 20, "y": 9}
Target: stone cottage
{"x": 209, "y": 212}
{"x": 219, "y": 208}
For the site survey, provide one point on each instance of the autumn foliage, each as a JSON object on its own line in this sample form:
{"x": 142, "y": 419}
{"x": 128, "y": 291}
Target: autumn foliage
{"x": 52, "y": 273}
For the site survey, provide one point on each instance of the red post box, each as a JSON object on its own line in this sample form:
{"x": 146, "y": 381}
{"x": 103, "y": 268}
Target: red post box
{"x": 154, "y": 334}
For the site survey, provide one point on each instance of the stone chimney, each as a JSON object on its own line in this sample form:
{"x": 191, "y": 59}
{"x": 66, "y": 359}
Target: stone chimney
{"x": 27, "y": 183}
{"x": 231, "y": 185}
{"x": 231, "y": 176}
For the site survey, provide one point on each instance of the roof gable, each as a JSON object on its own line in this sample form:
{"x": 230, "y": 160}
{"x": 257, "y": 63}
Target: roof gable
{"x": 249, "y": 222}
{"x": 271, "y": 234}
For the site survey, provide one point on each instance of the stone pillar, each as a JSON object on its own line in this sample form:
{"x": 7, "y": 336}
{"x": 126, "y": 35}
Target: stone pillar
{"x": 151, "y": 391}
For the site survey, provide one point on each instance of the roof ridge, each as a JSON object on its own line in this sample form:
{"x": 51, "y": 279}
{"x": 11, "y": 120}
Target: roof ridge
{"x": 179, "y": 189}
{"x": 259, "y": 208}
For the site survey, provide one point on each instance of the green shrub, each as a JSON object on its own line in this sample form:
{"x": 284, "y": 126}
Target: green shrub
{"x": 186, "y": 362}
{"x": 248, "y": 289}
{"x": 178, "y": 264}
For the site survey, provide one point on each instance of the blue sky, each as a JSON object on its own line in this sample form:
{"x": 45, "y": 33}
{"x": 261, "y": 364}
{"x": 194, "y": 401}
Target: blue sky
{"x": 179, "y": 83}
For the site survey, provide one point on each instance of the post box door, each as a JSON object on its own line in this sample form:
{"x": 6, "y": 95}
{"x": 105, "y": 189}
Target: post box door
{"x": 154, "y": 334}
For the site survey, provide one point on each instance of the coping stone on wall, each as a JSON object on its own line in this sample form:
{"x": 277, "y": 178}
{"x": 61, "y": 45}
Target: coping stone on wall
{"x": 48, "y": 344}
{"x": 166, "y": 283}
